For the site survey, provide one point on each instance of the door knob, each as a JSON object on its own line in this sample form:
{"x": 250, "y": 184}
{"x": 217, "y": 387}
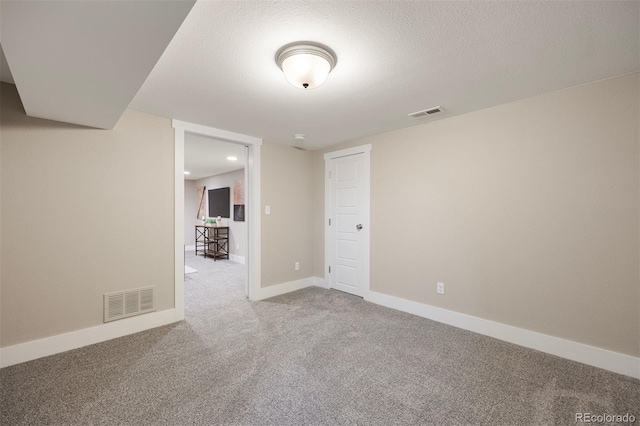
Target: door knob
{"x": 359, "y": 226}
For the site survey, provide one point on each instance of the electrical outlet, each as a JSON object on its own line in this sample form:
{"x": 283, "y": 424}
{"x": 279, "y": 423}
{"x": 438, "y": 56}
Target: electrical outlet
{"x": 297, "y": 266}
{"x": 267, "y": 209}
{"x": 237, "y": 246}
{"x": 440, "y": 288}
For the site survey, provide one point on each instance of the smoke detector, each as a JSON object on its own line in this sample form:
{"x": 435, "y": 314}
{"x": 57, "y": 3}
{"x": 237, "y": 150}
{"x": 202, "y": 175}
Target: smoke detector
{"x": 298, "y": 141}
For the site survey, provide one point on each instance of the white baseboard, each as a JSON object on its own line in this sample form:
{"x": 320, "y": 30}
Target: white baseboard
{"x": 320, "y": 282}
{"x": 288, "y": 287}
{"x": 190, "y": 248}
{"x": 34, "y": 349}
{"x": 597, "y": 357}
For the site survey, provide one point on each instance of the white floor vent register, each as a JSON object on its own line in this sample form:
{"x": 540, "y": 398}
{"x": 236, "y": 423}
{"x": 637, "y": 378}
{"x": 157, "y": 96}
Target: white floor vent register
{"x": 128, "y": 303}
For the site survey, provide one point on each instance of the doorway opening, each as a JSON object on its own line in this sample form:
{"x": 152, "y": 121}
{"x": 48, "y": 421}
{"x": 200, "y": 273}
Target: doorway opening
{"x": 215, "y": 234}
{"x": 239, "y": 246}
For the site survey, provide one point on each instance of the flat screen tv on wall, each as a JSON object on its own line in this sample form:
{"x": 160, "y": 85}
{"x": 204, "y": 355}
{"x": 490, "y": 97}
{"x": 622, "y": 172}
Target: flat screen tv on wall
{"x": 219, "y": 202}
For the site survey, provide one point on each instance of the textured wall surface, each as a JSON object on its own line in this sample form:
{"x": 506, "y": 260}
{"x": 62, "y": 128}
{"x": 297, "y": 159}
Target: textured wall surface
{"x": 84, "y": 212}
{"x": 528, "y": 212}
{"x": 287, "y": 233}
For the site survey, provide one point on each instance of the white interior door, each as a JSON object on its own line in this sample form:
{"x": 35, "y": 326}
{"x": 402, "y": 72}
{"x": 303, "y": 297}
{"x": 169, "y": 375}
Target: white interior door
{"x": 348, "y": 221}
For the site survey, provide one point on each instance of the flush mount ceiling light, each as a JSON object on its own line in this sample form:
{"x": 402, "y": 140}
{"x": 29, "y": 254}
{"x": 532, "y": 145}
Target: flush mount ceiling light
{"x": 306, "y": 64}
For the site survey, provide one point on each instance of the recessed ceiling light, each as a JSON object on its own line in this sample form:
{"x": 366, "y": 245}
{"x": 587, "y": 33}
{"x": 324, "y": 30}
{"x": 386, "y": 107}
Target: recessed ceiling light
{"x": 232, "y": 158}
{"x": 306, "y": 64}
{"x": 187, "y": 173}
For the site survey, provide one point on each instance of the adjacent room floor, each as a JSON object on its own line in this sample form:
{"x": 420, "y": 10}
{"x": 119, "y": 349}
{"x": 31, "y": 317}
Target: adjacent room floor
{"x": 312, "y": 357}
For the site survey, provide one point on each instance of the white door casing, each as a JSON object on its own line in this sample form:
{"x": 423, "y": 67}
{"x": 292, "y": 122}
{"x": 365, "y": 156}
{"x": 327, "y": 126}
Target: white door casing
{"x": 252, "y": 206}
{"x": 347, "y": 233}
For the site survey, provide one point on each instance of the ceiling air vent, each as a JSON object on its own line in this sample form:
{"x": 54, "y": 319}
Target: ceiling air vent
{"x": 128, "y": 303}
{"x": 426, "y": 112}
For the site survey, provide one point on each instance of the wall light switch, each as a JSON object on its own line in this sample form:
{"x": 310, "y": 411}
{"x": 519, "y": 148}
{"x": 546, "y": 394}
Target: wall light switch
{"x": 440, "y": 288}
{"x": 267, "y": 209}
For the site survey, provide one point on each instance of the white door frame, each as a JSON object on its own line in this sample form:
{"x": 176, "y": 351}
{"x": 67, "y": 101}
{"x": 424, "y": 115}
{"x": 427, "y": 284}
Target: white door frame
{"x": 366, "y": 220}
{"x": 252, "y": 210}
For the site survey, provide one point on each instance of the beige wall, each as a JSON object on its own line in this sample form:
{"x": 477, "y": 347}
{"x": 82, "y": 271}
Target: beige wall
{"x": 528, "y": 212}
{"x": 237, "y": 230}
{"x": 287, "y": 233}
{"x": 84, "y": 212}
{"x": 190, "y": 212}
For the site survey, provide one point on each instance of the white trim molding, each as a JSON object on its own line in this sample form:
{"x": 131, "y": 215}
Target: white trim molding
{"x": 320, "y": 282}
{"x": 288, "y": 287}
{"x": 178, "y": 223}
{"x": 348, "y": 151}
{"x": 34, "y": 349}
{"x": 590, "y": 355}
{"x": 252, "y": 204}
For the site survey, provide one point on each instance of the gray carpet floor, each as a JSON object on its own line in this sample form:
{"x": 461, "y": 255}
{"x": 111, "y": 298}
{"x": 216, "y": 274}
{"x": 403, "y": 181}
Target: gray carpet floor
{"x": 312, "y": 357}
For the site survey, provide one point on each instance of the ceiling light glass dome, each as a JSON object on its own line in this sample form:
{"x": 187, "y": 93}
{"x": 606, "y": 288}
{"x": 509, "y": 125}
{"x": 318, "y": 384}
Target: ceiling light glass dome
{"x": 306, "y": 65}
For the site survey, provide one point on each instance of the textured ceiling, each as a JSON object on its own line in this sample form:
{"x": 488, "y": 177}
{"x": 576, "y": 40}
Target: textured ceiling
{"x": 393, "y": 58}
{"x": 83, "y": 62}
{"x": 205, "y": 157}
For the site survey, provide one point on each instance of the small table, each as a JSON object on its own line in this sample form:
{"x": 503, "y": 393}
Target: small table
{"x": 213, "y": 241}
